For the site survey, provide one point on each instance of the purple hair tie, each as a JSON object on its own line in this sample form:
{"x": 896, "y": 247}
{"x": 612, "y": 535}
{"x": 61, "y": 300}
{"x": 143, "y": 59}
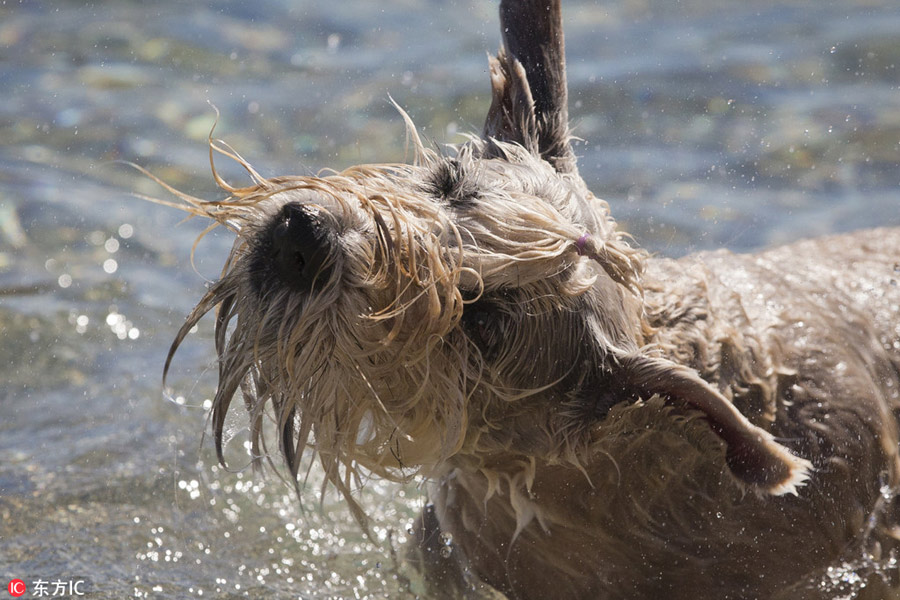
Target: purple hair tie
{"x": 579, "y": 245}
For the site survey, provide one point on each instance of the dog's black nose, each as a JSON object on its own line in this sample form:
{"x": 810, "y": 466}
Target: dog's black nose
{"x": 300, "y": 248}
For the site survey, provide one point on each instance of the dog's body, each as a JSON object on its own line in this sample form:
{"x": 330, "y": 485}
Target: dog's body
{"x": 596, "y": 423}
{"x": 803, "y": 339}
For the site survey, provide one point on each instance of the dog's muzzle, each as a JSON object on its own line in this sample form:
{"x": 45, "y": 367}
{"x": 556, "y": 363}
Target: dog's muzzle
{"x": 296, "y": 250}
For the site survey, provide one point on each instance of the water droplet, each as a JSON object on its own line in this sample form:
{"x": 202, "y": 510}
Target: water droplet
{"x": 333, "y": 42}
{"x": 446, "y": 551}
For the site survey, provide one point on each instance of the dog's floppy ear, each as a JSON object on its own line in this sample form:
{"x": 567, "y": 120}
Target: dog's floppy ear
{"x": 753, "y": 456}
{"x": 528, "y": 82}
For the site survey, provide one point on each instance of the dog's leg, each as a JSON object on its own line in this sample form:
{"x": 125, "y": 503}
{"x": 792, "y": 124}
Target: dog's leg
{"x": 445, "y": 572}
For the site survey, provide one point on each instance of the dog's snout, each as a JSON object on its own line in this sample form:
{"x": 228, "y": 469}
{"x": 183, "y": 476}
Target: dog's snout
{"x": 300, "y": 247}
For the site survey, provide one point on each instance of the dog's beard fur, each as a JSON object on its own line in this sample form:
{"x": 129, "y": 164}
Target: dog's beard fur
{"x": 373, "y": 365}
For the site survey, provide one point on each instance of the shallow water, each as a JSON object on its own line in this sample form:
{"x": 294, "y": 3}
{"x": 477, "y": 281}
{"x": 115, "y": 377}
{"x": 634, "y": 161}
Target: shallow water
{"x": 706, "y": 124}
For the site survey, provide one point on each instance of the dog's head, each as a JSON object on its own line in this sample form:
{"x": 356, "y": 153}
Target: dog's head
{"x": 475, "y": 301}
{"x": 380, "y": 309}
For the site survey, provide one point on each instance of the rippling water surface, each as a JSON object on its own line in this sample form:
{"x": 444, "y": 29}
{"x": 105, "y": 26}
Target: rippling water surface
{"x": 729, "y": 123}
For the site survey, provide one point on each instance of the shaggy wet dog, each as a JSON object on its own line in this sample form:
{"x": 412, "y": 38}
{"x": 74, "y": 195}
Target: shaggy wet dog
{"x": 594, "y": 422}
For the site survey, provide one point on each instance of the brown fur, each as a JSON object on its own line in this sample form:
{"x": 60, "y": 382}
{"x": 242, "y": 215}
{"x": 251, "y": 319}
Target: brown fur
{"x": 595, "y": 423}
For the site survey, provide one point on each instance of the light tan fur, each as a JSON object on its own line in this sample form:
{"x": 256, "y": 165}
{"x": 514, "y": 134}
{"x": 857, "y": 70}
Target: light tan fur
{"x": 595, "y": 423}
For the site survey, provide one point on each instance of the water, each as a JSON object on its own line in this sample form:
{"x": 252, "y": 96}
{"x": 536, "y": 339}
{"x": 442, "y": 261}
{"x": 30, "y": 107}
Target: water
{"x": 705, "y": 123}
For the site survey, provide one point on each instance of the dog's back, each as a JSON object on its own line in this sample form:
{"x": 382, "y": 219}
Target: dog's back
{"x": 805, "y": 340}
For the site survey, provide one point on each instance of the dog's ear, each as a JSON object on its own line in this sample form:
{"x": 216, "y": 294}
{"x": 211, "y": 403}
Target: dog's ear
{"x": 528, "y": 82}
{"x": 753, "y": 456}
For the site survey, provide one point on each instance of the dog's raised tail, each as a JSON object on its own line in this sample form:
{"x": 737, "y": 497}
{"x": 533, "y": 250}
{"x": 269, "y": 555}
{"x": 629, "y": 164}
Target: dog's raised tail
{"x": 528, "y": 81}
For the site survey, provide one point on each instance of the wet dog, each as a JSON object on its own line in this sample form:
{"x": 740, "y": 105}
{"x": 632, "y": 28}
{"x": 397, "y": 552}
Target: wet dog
{"x": 594, "y": 422}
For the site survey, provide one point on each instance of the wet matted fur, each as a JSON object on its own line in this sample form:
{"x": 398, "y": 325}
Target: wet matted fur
{"x": 594, "y": 422}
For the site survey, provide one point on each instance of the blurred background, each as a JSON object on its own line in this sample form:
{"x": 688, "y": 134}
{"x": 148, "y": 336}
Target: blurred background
{"x": 736, "y": 123}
